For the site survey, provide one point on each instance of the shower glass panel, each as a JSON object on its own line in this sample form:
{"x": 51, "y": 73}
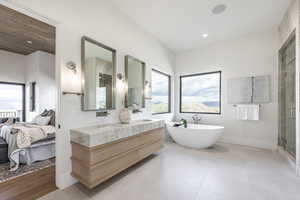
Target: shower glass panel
{"x": 288, "y": 98}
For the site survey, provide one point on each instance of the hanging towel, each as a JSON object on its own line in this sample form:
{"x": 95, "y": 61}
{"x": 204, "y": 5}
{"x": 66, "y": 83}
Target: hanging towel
{"x": 247, "y": 112}
{"x": 253, "y": 112}
{"x": 241, "y": 112}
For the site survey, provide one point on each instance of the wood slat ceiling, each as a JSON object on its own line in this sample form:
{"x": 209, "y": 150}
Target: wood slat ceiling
{"x": 16, "y": 29}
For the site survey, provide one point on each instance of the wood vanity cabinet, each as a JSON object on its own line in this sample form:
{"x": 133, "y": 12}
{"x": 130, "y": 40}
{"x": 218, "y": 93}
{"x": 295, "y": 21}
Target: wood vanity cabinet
{"x": 92, "y": 166}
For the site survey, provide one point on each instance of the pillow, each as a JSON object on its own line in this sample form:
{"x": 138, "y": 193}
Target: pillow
{"x": 34, "y": 119}
{"x": 10, "y": 121}
{"x": 44, "y": 113}
{"x": 3, "y": 120}
{"x": 42, "y": 121}
{"x": 51, "y": 113}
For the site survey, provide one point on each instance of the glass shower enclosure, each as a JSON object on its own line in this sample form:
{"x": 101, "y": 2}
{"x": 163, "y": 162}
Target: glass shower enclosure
{"x": 287, "y": 96}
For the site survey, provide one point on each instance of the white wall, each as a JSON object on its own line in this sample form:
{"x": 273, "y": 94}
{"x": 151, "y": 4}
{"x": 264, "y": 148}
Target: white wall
{"x": 40, "y": 68}
{"x": 46, "y": 81}
{"x": 289, "y": 24}
{"x": 249, "y": 55}
{"x": 12, "y": 67}
{"x": 101, "y": 21}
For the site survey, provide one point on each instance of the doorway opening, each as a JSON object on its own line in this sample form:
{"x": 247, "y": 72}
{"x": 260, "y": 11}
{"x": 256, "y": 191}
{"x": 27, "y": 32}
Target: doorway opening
{"x": 28, "y": 104}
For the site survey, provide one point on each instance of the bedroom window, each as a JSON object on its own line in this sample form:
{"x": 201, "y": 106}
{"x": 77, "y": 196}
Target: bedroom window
{"x": 201, "y": 93}
{"x": 12, "y": 100}
{"x": 161, "y": 92}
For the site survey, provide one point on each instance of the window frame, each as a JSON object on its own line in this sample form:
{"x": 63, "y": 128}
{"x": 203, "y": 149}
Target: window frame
{"x": 23, "y": 96}
{"x": 201, "y": 74}
{"x": 169, "y": 92}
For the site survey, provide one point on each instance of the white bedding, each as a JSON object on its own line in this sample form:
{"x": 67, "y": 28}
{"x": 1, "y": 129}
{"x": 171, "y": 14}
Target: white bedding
{"x": 37, "y": 152}
{"x": 20, "y": 138}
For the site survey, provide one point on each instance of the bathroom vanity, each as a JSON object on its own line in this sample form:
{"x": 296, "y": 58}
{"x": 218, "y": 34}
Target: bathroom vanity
{"x": 100, "y": 152}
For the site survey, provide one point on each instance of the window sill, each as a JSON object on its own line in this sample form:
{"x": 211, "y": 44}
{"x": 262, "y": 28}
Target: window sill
{"x": 161, "y": 113}
{"x": 202, "y": 113}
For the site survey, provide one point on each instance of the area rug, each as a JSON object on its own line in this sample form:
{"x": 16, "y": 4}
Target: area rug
{"x": 6, "y": 175}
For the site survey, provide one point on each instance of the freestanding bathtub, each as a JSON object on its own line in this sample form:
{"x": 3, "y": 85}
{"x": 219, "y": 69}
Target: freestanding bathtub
{"x": 195, "y": 135}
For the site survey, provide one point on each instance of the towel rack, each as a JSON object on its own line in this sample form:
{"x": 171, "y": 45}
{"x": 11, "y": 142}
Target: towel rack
{"x": 72, "y": 93}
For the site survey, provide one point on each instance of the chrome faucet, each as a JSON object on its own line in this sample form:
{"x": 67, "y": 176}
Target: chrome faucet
{"x": 102, "y": 113}
{"x": 196, "y": 118}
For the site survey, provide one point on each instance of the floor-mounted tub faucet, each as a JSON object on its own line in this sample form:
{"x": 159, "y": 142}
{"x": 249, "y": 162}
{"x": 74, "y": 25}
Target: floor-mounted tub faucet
{"x": 196, "y": 119}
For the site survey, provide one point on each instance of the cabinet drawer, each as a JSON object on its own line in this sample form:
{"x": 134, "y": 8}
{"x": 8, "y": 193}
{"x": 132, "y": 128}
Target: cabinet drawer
{"x": 104, "y": 153}
{"x": 150, "y": 149}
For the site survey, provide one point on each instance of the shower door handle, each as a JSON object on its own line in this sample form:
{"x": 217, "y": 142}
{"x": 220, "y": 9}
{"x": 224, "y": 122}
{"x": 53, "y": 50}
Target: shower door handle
{"x": 292, "y": 112}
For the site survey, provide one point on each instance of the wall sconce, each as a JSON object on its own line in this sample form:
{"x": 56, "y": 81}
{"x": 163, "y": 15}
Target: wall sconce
{"x": 148, "y": 84}
{"x": 120, "y": 76}
{"x": 72, "y": 66}
{"x": 121, "y": 83}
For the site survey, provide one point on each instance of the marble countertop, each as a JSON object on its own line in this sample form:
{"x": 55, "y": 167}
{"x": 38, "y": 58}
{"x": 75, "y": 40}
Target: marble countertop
{"x": 96, "y": 135}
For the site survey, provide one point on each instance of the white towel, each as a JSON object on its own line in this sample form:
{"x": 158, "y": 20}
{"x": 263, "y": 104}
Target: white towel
{"x": 247, "y": 112}
{"x": 241, "y": 112}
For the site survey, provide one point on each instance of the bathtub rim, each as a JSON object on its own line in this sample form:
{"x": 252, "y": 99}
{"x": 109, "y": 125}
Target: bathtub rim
{"x": 194, "y": 126}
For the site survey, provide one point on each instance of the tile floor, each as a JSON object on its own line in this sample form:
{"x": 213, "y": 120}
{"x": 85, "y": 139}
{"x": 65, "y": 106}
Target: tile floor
{"x": 177, "y": 173}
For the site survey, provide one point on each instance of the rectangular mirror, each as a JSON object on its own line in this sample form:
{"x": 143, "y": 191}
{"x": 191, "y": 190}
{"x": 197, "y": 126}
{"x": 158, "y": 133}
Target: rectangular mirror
{"x": 98, "y": 75}
{"x": 135, "y": 78}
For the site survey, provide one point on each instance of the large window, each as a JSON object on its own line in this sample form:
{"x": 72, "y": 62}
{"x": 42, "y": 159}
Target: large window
{"x": 12, "y": 100}
{"x": 161, "y": 84}
{"x": 201, "y": 93}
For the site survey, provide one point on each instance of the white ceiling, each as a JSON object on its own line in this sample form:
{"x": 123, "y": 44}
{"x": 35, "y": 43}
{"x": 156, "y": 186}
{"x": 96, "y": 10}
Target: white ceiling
{"x": 179, "y": 24}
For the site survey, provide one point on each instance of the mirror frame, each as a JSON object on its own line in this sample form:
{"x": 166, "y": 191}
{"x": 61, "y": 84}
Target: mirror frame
{"x": 127, "y": 57}
{"x": 114, "y": 52}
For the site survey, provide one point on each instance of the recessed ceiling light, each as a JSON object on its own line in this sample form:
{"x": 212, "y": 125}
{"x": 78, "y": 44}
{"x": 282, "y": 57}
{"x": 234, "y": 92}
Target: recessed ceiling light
{"x": 29, "y": 41}
{"x": 218, "y": 9}
{"x": 205, "y": 35}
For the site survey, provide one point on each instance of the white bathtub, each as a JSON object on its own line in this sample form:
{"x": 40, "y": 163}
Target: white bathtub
{"x": 195, "y": 135}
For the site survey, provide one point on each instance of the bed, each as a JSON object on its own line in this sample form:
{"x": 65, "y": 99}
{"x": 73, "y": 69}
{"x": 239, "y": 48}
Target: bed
{"x": 37, "y": 152}
{"x": 29, "y": 142}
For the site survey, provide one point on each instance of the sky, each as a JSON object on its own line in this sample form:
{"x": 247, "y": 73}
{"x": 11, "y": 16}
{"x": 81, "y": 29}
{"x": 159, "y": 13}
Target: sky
{"x": 194, "y": 89}
{"x": 160, "y": 88}
{"x": 10, "y": 97}
{"x": 203, "y": 88}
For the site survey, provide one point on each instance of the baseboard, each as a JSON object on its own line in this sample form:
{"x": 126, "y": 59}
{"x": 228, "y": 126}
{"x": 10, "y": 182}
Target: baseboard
{"x": 248, "y": 143}
{"x": 290, "y": 160}
{"x": 64, "y": 180}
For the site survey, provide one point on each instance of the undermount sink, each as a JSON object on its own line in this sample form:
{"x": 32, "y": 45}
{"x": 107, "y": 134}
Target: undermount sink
{"x": 147, "y": 120}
